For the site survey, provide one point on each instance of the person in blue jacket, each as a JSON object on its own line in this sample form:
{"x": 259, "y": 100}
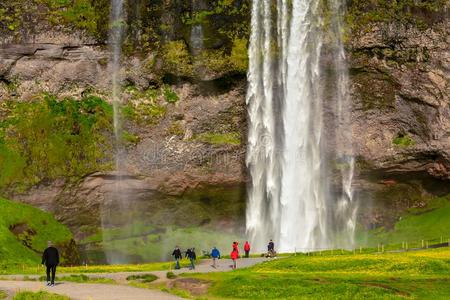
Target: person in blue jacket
{"x": 215, "y": 254}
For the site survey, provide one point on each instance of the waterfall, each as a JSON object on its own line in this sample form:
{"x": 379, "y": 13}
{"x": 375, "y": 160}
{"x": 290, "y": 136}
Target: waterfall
{"x": 196, "y": 39}
{"x": 289, "y": 198}
{"x": 116, "y": 206}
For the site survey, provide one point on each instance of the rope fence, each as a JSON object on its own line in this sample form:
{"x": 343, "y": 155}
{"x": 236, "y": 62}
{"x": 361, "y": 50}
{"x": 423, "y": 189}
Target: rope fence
{"x": 401, "y": 246}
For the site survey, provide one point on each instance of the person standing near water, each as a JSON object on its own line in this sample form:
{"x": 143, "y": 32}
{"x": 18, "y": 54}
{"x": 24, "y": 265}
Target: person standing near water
{"x": 177, "y": 255}
{"x": 271, "y": 246}
{"x": 236, "y": 247}
{"x": 247, "y": 249}
{"x": 234, "y": 256}
{"x": 215, "y": 254}
{"x": 50, "y": 259}
{"x": 190, "y": 253}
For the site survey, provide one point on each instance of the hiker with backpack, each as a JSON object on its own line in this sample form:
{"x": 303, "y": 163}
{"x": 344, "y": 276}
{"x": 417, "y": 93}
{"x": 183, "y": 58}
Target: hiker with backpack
{"x": 178, "y": 256}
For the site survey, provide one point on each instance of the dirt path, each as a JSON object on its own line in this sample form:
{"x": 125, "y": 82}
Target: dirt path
{"x": 91, "y": 291}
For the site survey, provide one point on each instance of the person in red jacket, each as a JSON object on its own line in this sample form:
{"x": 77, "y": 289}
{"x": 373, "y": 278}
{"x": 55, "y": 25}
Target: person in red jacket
{"x": 234, "y": 256}
{"x": 235, "y": 246}
{"x": 247, "y": 249}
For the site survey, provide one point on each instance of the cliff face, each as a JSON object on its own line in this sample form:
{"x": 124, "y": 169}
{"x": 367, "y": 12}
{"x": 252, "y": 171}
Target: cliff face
{"x": 401, "y": 117}
{"x": 185, "y": 113}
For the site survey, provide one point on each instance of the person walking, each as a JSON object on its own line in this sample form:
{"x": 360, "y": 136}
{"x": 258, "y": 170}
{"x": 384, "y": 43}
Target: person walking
{"x": 50, "y": 259}
{"x": 234, "y": 257}
{"x": 190, "y": 253}
{"x": 236, "y": 246}
{"x": 247, "y": 249}
{"x": 215, "y": 254}
{"x": 178, "y": 256}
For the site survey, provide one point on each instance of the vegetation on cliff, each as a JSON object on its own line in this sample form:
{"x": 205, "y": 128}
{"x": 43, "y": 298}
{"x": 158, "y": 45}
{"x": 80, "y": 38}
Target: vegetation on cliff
{"x": 47, "y": 139}
{"x": 417, "y": 13}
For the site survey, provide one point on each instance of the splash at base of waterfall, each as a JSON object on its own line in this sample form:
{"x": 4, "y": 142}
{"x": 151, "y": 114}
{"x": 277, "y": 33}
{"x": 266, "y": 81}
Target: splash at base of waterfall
{"x": 290, "y": 198}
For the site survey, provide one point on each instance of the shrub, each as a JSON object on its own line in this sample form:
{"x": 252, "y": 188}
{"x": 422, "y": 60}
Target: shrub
{"x": 171, "y": 275}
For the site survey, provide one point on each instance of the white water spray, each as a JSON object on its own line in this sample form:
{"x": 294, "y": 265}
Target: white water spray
{"x": 116, "y": 204}
{"x": 289, "y": 199}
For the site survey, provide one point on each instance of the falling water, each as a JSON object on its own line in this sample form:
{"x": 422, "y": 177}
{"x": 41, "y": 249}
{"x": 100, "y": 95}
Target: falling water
{"x": 116, "y": 203}
{"x": 196, "y": 39}
{"x": 115, "y": 42}
{"x": 346, "y": 206}
{"x": 289, "y": 197}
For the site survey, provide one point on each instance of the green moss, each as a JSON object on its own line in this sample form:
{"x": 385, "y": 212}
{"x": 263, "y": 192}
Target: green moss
{"x": 170, "y": 95}
{"x": 177, "y": 58}
{"x": 144, "y": 113}
{"x": 376, "y": 90}
{"x": 130, "y": 138}
{"x": 87, "y": 15}
{"x": 49, "y": 138}
{"x": 418, "y": 13}
{"x": 231, "y": 138}
{"x": 239, "y": 54}
{"x": 403, "y": 141}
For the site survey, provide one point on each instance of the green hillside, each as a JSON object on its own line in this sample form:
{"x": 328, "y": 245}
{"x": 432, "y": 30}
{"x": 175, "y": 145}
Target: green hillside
{"x": 24, "y": 232}
{"x": 430, "y": 223}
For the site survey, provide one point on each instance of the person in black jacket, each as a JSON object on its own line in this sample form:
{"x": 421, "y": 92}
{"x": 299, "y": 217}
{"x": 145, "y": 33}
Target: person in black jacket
{"x": 190, "y": 253}
{"x": 50, "y": 259}
{"x": 177, "y": 255}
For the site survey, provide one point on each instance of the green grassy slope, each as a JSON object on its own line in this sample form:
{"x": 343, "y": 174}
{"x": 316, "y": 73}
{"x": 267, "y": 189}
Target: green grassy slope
{"x": 429, "y": 223}
{"x": 41, "y": 227}
{"x": 411, "y": 275}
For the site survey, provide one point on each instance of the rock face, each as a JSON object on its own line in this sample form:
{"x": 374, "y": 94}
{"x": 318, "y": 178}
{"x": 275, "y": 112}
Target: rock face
{"x": 401, "y": 115}
{"x": 400, "y": 77}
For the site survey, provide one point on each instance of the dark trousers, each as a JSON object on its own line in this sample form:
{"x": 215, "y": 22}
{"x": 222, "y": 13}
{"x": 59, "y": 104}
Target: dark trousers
{"x": 247, "y": 253}
{"x": 52, "y": 270}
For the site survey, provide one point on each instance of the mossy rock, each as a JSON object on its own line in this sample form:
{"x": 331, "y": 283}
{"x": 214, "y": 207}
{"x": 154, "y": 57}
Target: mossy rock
{"x": 375, "y": 90}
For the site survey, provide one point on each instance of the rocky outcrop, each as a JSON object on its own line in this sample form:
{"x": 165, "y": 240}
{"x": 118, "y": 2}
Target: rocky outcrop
{"x": 401, "y": 86}
{"x": 401, "y": 116}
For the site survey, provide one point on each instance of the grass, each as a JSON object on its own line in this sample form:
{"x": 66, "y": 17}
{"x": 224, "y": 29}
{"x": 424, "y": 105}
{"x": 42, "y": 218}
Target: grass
{"x": 144, "y": 278}
{"x": 416, "y": 275}
{"x": 80, "y": 278}
{"x": 38, "y": 296}
{"x": 40, "y": 227}
{"x": 428, "y": 224}
{"x": 3, "y": 295}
